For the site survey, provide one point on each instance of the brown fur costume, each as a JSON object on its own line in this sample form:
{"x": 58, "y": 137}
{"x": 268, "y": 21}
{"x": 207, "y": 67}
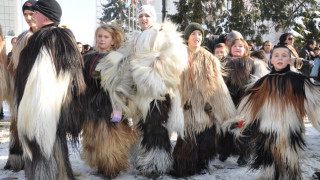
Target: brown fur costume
{"x": 207, "y": 103}
{"x": 106, "y": 145}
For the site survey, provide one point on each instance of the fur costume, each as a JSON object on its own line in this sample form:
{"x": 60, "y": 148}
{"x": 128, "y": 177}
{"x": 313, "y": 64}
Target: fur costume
{"x": 273, "y": 110}
{"x": 207, "y": 104}
{"x": 142, "y": 79}
{"x": 106, "y": 144}
{"x": 15, "y": 161}
{"x": 240, "y": 72}
{"x": 48, "y": 86}
{"x": 4, "y": 83}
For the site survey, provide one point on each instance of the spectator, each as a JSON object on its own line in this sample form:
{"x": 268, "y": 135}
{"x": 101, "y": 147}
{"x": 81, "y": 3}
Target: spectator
{"x": 267, "y": 46}
{"x": 307, "y": 52}
{"x": 13, "y": 41}
{"x": 251, "y": 46}
{"x": 261, "y": 56}
{"x": 231, "y": 37}
{"x": 239, "y": 48}
{"x": 316, "y": 64}
{"x": 86, "y": 48}
{"x": 221, "y": 51}
{"x": 80, "y": 47}
{"x": 288, "y": 40}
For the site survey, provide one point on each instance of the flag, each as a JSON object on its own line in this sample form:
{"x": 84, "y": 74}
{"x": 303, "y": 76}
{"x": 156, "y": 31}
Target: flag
{"x": 128, "y": 3}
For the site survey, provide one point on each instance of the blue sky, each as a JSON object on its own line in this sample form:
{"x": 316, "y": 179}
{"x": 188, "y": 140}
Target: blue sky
{"x": 80, "y": 17}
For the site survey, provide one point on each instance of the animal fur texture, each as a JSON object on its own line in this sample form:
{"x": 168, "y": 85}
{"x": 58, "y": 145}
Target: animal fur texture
{"x": 142, "y": 78}
{"x": 201, "y": 87}
{"x": 4, "y": 83}
{"x": 15, "y": 161}
{"x": 48, "y": 86}
{"x": 105, "y": 144}
{"x": 201, "y": 84}
{"x": 273, "y": 110}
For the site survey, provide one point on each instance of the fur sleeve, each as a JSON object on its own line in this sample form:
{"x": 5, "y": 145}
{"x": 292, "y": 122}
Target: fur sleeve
{"x": 223, "y": 103}
{"x": 312, "y": 104}
{"x": 159, "y": 60}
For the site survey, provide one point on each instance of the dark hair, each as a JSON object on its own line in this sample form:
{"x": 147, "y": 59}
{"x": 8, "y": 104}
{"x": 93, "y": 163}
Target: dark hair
{"x": 283, "y": 37}
{"x": 221, "y": 45}
{"x": 260, "y": 54}
{"x": 311, "y": 41}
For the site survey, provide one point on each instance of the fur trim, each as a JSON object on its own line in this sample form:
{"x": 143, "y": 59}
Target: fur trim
{"x": 41, "y": 124}
{"x": 201, "y": 85}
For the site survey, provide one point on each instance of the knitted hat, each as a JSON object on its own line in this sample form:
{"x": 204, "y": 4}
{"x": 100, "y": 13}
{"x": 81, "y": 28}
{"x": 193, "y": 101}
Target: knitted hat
{"x": 192, "y": 27}
{"x": 28, "y": 5}
{"x": 148, "y": 9}
{"x": 49, "y": 8}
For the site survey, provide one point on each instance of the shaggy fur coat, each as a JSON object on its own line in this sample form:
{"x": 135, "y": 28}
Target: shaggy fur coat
{"x": 15, "y": 161}
{"x": 207, "y": 103}
{"x": 105, "y": 144}
{"x": 142, "y": 79}
{"x": 48, "y": 86}
{"x": 273, "y": 110}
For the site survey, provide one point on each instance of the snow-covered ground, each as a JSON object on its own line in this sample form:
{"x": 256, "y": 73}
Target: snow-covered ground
{"x": 227, "y": 170}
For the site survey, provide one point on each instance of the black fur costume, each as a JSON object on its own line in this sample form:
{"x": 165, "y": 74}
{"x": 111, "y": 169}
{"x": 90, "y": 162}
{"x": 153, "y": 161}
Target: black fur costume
{"x": 48, "y": 88}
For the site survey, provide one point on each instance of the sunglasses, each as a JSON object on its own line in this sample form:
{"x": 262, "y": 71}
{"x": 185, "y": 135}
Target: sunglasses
{"x": 291, "y": 38}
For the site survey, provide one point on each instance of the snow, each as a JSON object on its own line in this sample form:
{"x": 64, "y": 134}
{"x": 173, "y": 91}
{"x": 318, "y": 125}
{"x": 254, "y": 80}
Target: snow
{"x": 217, "y": 170}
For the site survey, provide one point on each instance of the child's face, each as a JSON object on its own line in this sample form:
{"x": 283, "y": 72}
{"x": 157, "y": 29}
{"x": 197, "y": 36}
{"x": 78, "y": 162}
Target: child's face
{"x": 195, "y": 39}
{"x": 237, "y": 50}
{"x": 104, "y": 40}
{"x": 145, "y": 21}
{"x": 280, "y": 58}
{"x": 220, "y": 52}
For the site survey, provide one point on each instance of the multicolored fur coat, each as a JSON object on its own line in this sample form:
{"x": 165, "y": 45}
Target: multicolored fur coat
{"x": 48, "y": 86}
{"x": 273, "y": 110}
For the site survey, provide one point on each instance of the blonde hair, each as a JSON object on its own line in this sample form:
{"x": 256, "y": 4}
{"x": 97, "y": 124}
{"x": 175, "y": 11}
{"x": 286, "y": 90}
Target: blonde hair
{"x": 116, "y": 34}
{"x": 246, "y": 47}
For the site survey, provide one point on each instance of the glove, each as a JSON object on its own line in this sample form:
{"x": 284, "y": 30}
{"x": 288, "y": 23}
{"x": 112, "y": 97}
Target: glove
{"x": 116, "y": 115}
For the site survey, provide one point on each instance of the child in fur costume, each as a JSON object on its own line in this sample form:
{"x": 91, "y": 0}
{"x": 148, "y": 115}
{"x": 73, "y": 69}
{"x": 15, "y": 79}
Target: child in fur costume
{"x": 106, "y": 139}
{"x": 142, "y": 79}
{"x": 15, "y": 160}
{"x": 207, "y": 103}
{"x": 48, "y": 86}
{"x": 272, "y": 110}
{"x": 240, "y": 70}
